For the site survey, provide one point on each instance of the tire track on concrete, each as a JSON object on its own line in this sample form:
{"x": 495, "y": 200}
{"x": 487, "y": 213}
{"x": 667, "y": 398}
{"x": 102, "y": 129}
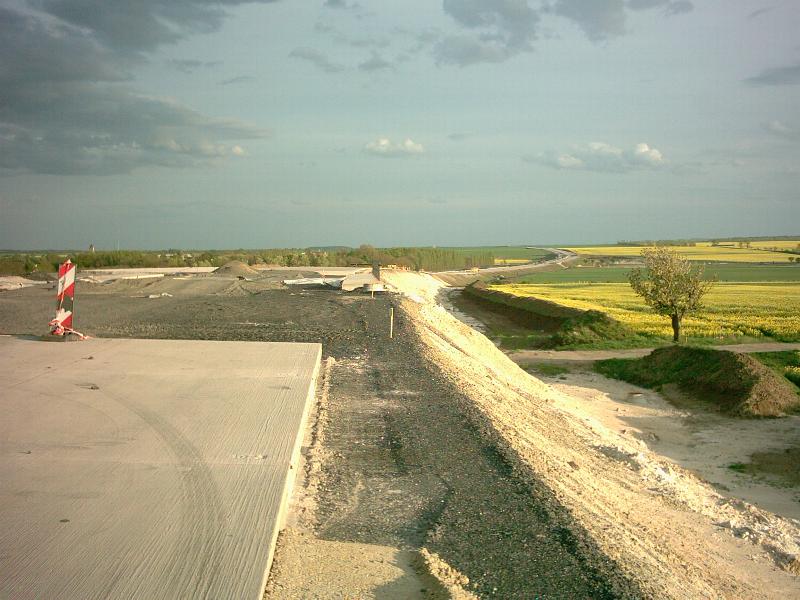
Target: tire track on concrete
{"x": 203, "y": 524}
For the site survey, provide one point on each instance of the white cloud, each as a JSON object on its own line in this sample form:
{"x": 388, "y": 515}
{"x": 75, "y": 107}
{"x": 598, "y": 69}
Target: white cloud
{"x": 602, "y": 157}
{"x": 385, "y": 147}
{"x": 238, "y": 151}
{"x": 645, "y": 155}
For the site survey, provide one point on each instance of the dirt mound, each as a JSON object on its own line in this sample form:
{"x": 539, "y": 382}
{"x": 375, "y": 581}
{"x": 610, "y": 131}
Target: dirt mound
{"x": 734, "y": 383}
{"x": 236, "y": 268}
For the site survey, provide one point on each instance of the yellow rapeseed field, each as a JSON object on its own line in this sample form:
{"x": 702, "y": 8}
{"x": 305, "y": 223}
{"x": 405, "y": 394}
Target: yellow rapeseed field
{"x": 731, "y": 309}
{"x": 779, "y": 244}
{"x": 704, "y": 251}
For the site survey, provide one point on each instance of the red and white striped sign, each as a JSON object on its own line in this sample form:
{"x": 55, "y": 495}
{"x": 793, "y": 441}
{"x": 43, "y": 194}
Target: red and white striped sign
{"x": 65, "y": 301}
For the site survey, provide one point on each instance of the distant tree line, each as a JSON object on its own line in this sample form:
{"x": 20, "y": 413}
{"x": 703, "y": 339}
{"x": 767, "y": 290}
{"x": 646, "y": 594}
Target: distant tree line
{"x": 428, "y": 259}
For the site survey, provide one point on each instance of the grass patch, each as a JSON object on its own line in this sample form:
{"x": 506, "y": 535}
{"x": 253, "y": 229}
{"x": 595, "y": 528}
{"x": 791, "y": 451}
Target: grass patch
{"x": 549, "y": 324}
{"x": 595, "y": 329}
{"x": 736, "y": 384}
{"x": 547, "y": 369}
{"x": 510, "y": 328}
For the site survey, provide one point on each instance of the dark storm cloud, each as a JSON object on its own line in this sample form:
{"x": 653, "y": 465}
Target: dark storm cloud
{"x": 502, "y": 29}
{"x": 789, "y": 75}
{"x": 108, "y": 130}
{"x": 599, "y": 19}
{"x": 142, "y": 25}
{"x": 66, "y": 107}
{"x": 604, "y": 19}
{"x": 32, "y": 52}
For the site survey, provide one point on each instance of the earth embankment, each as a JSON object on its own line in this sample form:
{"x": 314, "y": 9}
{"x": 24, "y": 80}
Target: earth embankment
{"x": 667, "y": 530}
{"x": 731, "y": 382}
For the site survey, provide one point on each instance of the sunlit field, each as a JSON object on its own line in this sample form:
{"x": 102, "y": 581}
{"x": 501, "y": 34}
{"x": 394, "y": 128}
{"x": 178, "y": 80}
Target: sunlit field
{"x": 731, "y": 309}
{"x": 738, "y": 272}
{"x": 704, "y": 251}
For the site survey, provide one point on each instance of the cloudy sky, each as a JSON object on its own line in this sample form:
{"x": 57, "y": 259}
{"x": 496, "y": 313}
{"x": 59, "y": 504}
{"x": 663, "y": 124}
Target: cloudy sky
{"x": 227, "y": 123}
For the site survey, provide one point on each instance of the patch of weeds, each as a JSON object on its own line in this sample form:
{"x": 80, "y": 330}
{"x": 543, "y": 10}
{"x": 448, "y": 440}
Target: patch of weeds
{"x": 548, "y": 369}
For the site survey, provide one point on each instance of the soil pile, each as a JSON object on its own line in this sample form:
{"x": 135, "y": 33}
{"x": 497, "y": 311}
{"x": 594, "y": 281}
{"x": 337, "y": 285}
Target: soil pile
{"x": 236, "y": 268}
{"x": 737, "y": 384}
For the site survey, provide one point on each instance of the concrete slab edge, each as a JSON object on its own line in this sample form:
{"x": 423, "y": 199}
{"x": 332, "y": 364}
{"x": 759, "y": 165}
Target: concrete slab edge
{"x": 292, "y": 472}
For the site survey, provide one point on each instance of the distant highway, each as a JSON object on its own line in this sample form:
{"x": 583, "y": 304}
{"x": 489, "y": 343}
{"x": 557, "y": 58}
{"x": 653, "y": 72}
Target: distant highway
{"x": 465, "y": 277}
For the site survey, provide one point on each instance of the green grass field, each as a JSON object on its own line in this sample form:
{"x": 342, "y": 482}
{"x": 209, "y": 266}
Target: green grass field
{"x": 738, "y": 272}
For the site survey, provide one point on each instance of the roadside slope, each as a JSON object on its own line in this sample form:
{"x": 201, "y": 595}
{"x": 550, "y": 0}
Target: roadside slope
{"x": 666, "y": 529}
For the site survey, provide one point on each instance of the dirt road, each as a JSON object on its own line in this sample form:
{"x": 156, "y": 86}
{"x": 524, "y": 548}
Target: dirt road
{"x": 461, "y": 278}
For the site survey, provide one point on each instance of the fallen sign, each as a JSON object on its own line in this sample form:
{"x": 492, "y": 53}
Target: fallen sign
{"x": 61, "y": 324}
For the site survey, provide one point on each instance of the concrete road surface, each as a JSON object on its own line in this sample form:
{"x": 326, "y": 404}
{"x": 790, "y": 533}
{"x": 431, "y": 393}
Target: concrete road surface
{"x": 146, "y": 468}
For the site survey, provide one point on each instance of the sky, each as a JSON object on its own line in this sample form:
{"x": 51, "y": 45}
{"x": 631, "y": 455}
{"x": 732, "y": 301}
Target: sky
{"x": 281, "y": 123}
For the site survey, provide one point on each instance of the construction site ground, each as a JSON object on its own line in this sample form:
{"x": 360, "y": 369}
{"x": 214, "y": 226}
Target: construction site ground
{"x": 400, "y": 468}
{"x": 416, "y": 483}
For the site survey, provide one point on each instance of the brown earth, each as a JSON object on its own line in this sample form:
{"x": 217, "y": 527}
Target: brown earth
{"x": 236, "y": 268}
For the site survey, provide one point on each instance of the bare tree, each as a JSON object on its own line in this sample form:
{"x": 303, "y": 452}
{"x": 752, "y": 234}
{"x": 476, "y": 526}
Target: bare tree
{"x": 669, "y": 285}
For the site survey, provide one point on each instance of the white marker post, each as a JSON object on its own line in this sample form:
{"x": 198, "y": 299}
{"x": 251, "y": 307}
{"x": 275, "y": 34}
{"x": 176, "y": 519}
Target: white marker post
{"x": 391, "y": 323}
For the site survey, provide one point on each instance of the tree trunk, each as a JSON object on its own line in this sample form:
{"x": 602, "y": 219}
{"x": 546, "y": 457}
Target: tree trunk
{"x": 676, "y": 328}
